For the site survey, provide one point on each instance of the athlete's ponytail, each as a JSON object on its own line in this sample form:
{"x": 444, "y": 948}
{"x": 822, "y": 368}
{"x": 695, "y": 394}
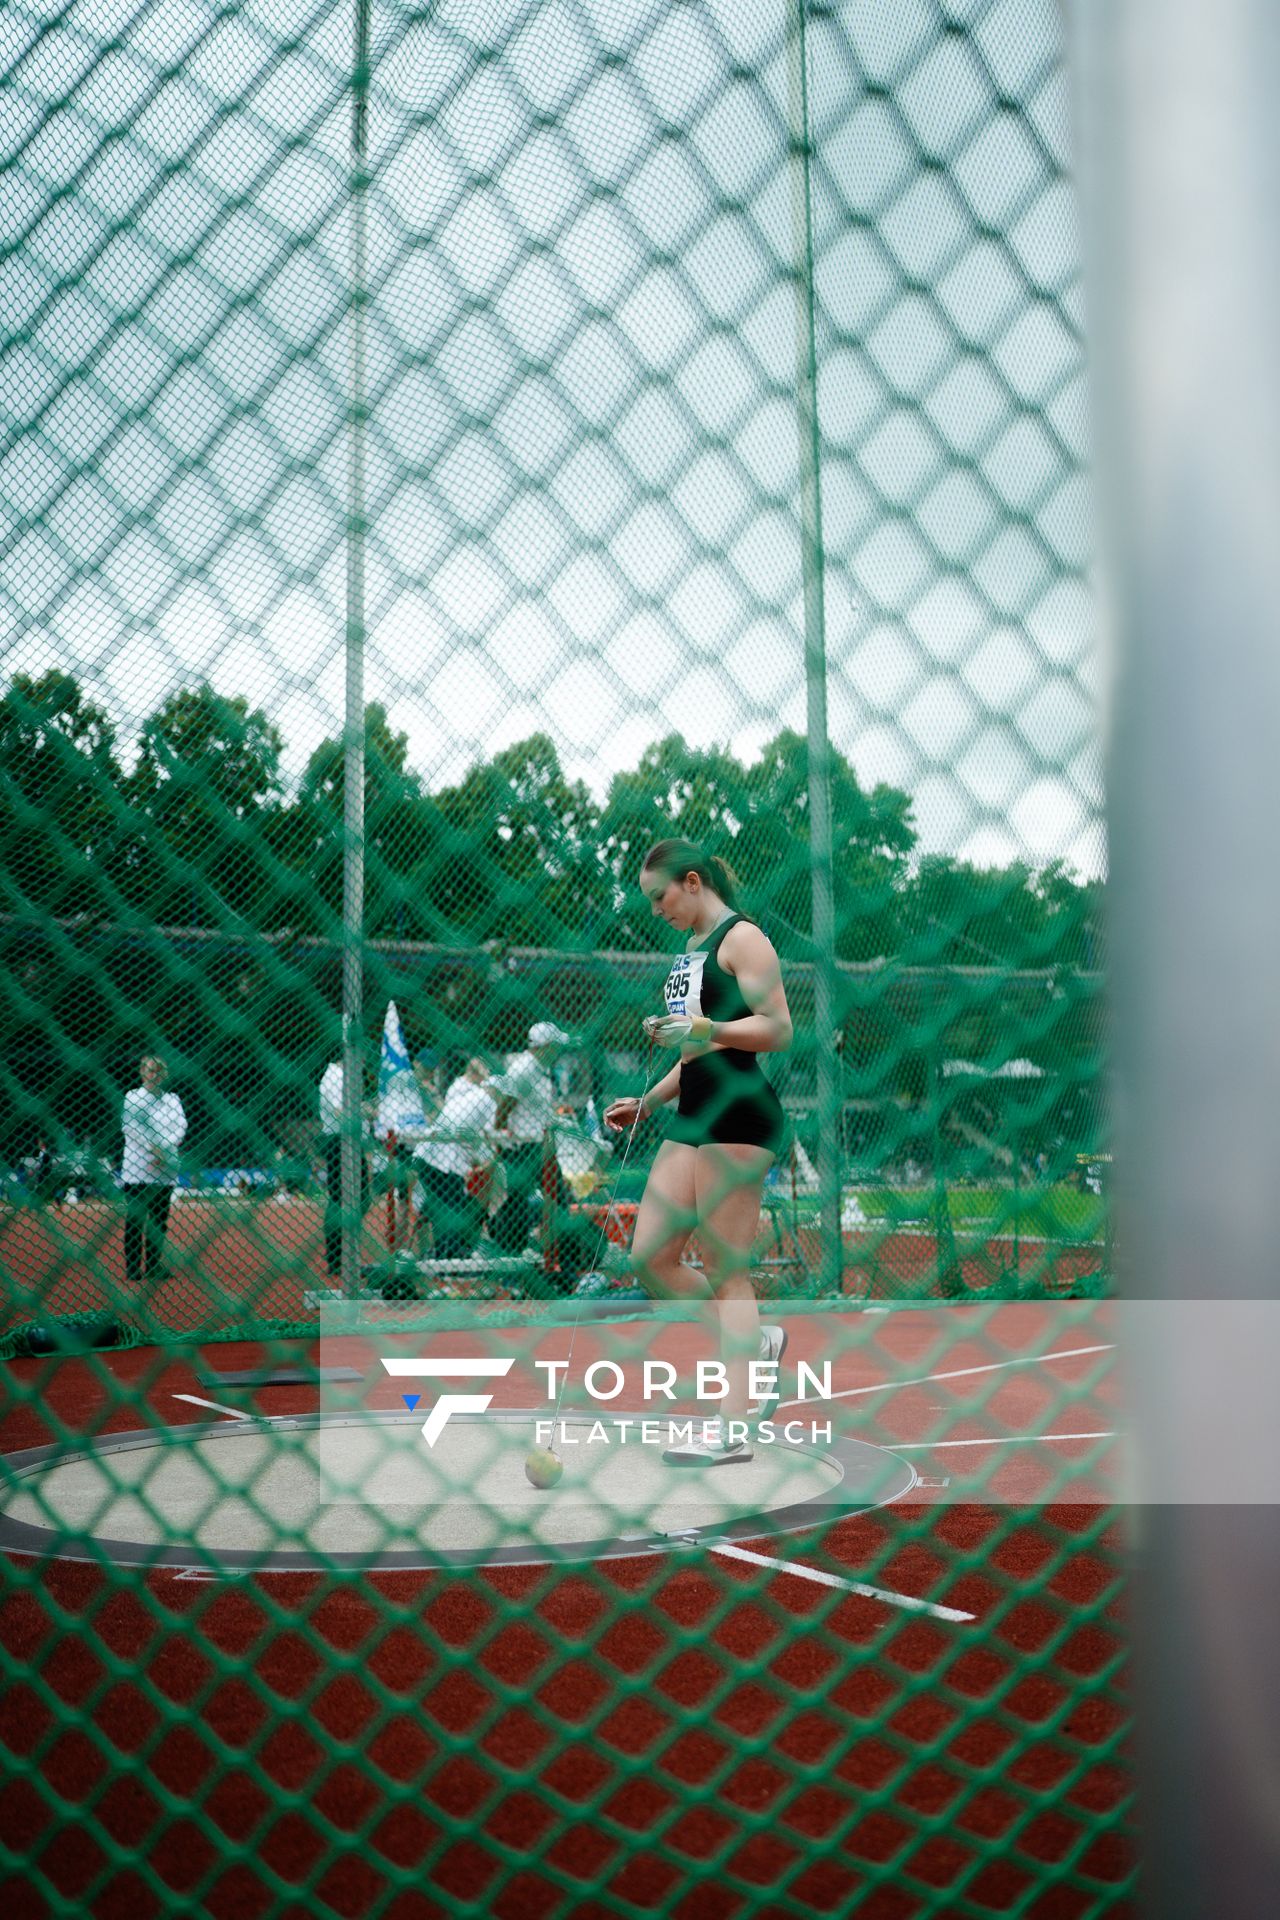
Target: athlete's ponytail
{"x": 726, "y": 882}
{"x": 679, "y": 858}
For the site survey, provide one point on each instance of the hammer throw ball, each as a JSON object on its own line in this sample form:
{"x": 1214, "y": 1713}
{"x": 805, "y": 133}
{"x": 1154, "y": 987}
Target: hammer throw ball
{"x": 542, "y": 1468}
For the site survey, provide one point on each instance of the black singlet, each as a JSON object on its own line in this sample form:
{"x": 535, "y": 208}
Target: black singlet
{"x": 724, "y": 1096}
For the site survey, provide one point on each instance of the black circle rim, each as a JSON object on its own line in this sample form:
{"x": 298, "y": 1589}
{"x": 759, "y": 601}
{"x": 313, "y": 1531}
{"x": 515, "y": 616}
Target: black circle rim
{"x": 856, "y": 1460}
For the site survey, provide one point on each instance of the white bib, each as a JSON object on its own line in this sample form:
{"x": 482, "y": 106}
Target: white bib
{"x": 683, "y": 990}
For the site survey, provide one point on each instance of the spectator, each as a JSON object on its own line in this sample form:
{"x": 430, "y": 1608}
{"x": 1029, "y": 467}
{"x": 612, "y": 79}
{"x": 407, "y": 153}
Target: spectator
{"x": 575, "y": 1080}
{"x": 529, "y": 1085}
{"x": 459, "y": 1142}
{"x": 43, "y": 1171}
{"x": 427, "y": 1072}
{"x": 154, "y": 1125}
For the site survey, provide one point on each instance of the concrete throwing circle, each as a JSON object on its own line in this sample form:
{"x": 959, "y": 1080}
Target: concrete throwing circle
{"x": 320, "y": 1491}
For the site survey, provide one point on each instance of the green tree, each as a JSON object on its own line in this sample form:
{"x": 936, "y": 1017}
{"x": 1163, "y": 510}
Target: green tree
{"x": 403, "y": 831}
{"x": 61, "y": 803}
{"x": 677, "y": 791}
{"x": 521, "y": 862}
{"x": 1074, "y": 917}
{"x": 1009, "y": 917}
{"x": 206, "y": 785}
{"x": 872, "y": 839}
{"x": 757, "y": 818}
{"x": 1014, "y": 949}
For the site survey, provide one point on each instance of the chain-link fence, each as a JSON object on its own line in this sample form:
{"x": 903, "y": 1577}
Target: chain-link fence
{"x": 587, "y": 421}
{"x": 548, "y": 294}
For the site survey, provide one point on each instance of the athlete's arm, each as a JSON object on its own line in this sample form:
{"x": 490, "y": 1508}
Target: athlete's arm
{"x": 666, "y": 1089}
{"x": 748, "y": 954}
{"x": 626, "y": 1111}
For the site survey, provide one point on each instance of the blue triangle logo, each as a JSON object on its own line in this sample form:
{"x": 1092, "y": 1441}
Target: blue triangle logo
{"x": 411, "y": 1400}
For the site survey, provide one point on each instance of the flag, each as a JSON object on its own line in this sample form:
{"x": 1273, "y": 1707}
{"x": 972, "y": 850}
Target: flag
{"x": 400, "y": 1108}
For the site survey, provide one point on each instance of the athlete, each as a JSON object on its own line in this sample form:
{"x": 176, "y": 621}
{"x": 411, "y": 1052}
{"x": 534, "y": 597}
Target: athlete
{"x": 725, "y": 1005}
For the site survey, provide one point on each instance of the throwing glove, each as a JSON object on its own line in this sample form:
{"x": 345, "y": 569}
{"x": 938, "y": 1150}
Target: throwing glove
{"x": 678, "y": 1029}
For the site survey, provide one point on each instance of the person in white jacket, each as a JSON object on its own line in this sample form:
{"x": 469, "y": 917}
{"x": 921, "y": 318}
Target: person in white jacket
{"x": 457, "y": 1143}
{"x": 154, "y": 1125}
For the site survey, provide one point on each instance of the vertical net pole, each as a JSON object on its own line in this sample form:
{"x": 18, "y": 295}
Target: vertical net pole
{"x": 354, "y": 721}
{"x": 815, "y": 657}
{"x": 1175, "y": 106}
{"x": 950, "y": 1276}
{"x": 550, "y": 1210}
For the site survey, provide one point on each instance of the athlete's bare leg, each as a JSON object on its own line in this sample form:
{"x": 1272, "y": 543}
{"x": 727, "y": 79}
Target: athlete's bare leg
{"x": 728, "y": 1185}
{"x": 665, "y": 1222}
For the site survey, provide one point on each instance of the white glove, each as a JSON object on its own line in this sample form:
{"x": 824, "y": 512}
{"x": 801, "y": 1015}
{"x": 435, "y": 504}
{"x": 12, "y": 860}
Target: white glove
{"x": 678, "y": 1029}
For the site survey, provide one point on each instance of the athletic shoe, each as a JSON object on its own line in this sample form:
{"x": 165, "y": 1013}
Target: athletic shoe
{"x": 773, "y": 1344}
{"x": 715, "y": 1451}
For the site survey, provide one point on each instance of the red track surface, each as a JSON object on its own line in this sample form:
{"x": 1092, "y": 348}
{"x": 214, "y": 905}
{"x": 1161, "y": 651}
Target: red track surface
{"x": 223, "y": 1250}
{"x": 533, "y": 1743}
{"x": 235, "y": 1259}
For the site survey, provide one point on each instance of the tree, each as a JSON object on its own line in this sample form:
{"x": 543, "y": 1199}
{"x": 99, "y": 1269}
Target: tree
{"x": 966, "y": 916}
{"x": 60, "y": 797}
{"x": 206, "y": 784}
{"x": 402, "y": 832}
{"x": 521, "y": 861}
{"x": 676, "y": 792}
{"x": 757, "y": 818}
{"x": 872, "y": 838}
{"x": 1074, "y": 911}
{"x": 1030, "y": 996}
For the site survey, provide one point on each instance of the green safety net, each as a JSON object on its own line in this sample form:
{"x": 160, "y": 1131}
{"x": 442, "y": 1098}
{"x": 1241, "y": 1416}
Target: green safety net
{"x": 599, "y": 421}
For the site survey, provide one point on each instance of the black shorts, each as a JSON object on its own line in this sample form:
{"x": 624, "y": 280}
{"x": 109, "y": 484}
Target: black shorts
{"x": 724, "y": 1104}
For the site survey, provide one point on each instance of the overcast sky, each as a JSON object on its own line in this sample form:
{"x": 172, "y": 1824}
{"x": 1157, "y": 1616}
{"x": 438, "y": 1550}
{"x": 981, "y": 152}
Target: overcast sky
{"x": 583, "y": 454}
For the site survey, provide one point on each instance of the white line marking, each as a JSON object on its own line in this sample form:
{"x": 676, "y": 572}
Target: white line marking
{"x": 999, "y": 1440}
{"x": 957, "y": 1373}
{"x": 195, "y": 1400}
{"x": 440, "y": 1369}
{"x": 851, "y": 1586}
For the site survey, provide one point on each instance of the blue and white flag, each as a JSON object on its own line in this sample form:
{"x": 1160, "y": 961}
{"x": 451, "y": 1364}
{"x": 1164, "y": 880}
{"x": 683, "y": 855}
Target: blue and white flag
{"x": 400, "y": 1108}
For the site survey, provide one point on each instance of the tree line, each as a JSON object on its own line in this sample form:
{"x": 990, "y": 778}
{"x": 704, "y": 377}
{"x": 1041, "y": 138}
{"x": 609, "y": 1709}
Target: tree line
{"x": 202, "y": 832}
{"x": 192, "y": 828}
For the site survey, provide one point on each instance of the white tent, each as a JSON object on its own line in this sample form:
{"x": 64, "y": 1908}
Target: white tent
{"x": 1010, "y": 1070}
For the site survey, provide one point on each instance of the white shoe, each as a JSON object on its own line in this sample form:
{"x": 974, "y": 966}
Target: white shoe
{"x": 773, "y": 1344}
{"x": 714, "y": 1451}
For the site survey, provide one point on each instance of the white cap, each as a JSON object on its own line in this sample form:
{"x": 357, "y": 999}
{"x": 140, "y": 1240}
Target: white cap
{"x": 543, "y": 1033}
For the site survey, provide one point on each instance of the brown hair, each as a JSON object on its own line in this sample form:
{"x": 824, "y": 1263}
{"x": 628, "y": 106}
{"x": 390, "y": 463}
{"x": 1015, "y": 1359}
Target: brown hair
{"x": 679, "y": 858}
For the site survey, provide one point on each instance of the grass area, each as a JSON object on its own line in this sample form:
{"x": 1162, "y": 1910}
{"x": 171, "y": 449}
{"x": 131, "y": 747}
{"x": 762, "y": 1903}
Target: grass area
{"x": 1056, "y": 1212}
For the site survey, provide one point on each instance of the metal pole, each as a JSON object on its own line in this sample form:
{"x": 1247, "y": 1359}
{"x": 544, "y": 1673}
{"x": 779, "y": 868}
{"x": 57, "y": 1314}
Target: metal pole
{"x": 1179, "y": 161}
{"x": 353, "y": 730}
{"x": 1017, "y": 1204}
{"x": 815, "y": 657}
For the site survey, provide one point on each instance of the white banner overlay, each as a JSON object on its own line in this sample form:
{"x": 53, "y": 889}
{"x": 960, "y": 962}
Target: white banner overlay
{"x": 995, "y": 1403}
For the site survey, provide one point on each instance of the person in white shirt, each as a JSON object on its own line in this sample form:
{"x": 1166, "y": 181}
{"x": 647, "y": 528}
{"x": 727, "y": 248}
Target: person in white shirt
{"x": 459, "y": 1141}
{"x": 154, "y": 1125}
{"x": 330, "y": 1101}
{"x": 529, "y": 1085}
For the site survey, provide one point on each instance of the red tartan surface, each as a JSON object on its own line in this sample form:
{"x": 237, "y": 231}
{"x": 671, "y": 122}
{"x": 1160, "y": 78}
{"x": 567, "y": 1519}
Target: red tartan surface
{"x": 265, "y": 1254}
{"x": 702, "y": 1738}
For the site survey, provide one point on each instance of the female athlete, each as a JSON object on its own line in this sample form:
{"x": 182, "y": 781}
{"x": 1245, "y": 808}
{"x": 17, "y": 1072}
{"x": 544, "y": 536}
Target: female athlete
{"x": 725, "y": 1005}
